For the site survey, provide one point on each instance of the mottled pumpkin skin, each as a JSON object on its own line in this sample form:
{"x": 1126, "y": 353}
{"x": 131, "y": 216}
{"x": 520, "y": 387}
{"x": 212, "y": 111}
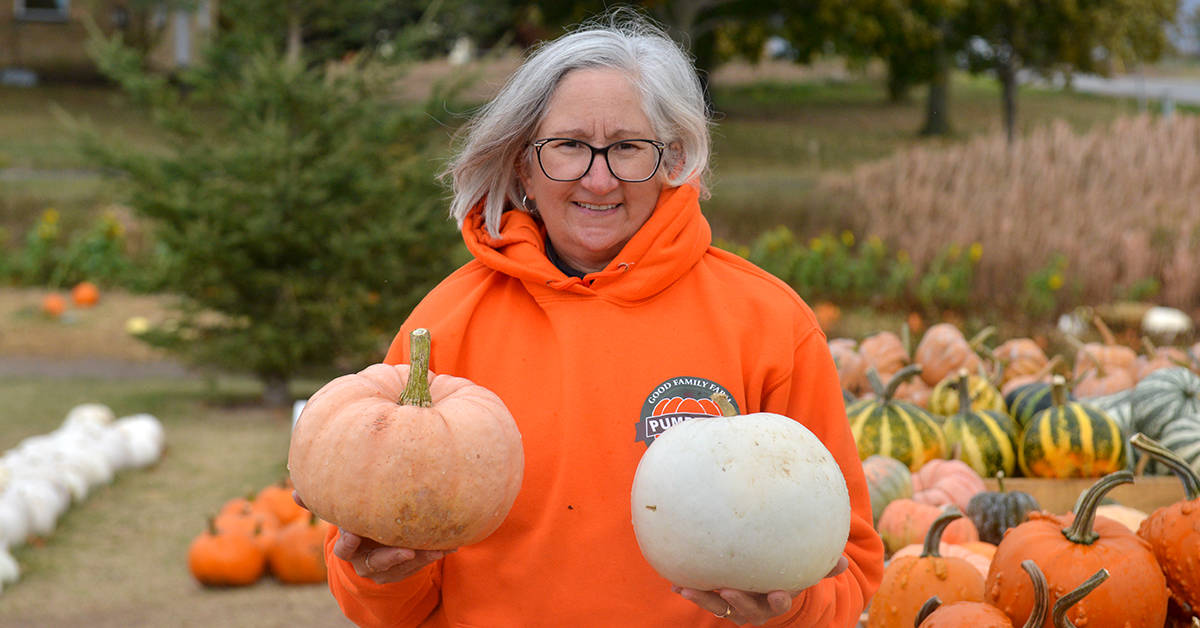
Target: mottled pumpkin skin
{"x": 1134, "y": 596}
{"x": 407, "y": 476}
{"x": 1173, "y": 533}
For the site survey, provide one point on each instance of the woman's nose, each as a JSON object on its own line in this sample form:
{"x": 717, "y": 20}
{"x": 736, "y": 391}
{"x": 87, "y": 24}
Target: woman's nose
{"x": 599, "y": 179}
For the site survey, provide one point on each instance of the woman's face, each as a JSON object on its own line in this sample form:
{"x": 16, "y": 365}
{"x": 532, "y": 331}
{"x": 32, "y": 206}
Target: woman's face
{"x": 589, "y": 220}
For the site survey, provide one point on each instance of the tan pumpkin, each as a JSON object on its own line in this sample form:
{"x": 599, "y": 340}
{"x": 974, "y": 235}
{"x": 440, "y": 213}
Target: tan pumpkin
{"x": 851, "y": 365}
{"x": 940, "y": 482}
{"x": 1156, "y": 358}
{"x": 1019, "y": 357}
{"x": 1102, "y": 368}
{"x": 439, "y": 456}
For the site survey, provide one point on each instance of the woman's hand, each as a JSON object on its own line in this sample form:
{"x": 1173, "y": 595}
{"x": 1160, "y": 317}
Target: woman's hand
{"x": 744, "y": 607}
{"x": 380, "y": 563}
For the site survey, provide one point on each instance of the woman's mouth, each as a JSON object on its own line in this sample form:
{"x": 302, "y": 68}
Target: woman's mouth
{"x": 596, "y": 207}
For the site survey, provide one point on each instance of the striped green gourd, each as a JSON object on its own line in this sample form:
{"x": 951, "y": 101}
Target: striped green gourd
{"x": 943, "y": 400}
{"x": 890, "y": 427}
{"x": 1026, "y": 400}
{"x": 984, "y": 439}
{"x": 1181, "y": 436}
{"x": 1162, "y": 396}
{"x": 1072, "y": 439}
{"x": 888, "y": 479}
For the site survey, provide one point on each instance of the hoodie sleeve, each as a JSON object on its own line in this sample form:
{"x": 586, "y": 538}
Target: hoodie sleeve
{"x": 399, "y": 604}
{"x": 812, "y": 395}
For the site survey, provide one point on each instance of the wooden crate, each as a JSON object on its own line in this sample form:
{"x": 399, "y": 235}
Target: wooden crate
{"x": 1146, "y": 493}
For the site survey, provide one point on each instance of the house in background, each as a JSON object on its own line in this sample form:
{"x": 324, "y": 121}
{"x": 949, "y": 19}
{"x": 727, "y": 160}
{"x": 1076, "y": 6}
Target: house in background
{"x": 47, "y": 38}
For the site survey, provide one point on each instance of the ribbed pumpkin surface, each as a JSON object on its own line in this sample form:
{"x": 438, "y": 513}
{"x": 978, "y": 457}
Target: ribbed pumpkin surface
{"x": 1027, "y": 400}
{"x": 943, "y": 400}
{"x": 888, "y": 479}
{"x": 1161, "y": 397}
{"x": 1071, "y": 440}
{"x": 986, "y": 440}
{"x": 1181, "y": 436}
{"x": 896, "y": 429}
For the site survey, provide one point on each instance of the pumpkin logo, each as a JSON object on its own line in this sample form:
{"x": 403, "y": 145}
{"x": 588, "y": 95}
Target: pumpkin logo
{"x": 676, "y": 400}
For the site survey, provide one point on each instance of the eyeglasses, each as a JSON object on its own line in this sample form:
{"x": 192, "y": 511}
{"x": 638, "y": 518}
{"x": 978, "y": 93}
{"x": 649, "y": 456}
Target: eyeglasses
{"x": 565, "y": 159}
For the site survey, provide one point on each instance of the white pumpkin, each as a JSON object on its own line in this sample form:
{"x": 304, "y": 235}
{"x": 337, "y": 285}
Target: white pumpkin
{"x": 89, "y": 413}
{"x": 10, "y": 571}
{"x": 752, "y": 502}
{"x": 15, "y": 521}
{"x": 144, "y": 436}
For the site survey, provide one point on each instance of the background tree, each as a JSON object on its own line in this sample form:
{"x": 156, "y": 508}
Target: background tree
{"x": 297, "y": 208}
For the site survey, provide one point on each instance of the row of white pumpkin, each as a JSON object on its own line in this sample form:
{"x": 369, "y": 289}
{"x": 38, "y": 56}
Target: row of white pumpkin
{"x": 43, "y": 475}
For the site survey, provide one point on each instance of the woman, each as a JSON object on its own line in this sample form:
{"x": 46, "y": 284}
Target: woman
{"x": 594, "y": 294}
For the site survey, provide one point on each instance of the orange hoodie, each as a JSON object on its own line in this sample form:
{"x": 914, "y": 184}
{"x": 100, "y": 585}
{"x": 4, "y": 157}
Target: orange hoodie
{"x": 592, "y": 369}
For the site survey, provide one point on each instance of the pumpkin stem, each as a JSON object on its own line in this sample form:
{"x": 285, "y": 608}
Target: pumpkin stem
{"x": 927, "y": 609}
{"x": 1058, "y": 390}
{"x": 1082, "y": 349}
{"x": 1105, "y": 333}
{"x": 1068, "y": 600}
{"x": 933, "y": 538}
{"x": 1081, "y": 529}
{"x": 724, "y": 404}
{"x": 1191, "y": 481}
{"x": 416, "y": 391}
{"x": 1041, "y": 594}
{"x": 964, "y": 392}
{"x": 885, "y": 393}
{"x": 976, "y": 341}
{"x": 1000, "y": 480}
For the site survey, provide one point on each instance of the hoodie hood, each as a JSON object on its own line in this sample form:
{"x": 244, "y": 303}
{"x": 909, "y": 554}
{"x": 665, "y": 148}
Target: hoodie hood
{"x": 671, "y": 241}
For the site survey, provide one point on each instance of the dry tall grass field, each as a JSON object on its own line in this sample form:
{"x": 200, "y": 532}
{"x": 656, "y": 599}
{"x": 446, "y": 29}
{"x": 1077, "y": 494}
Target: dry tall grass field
{"x": 1121, "y": 202}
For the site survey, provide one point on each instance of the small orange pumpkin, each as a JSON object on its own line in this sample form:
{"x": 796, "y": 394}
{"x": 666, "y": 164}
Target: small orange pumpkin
{"x": 277, "y": 499}
{"x": 242, "y": 516}
{"x": 1019, "y": 357}
{"x": 884, "y": 351}
{"x": 440, "y": 457}
{"x": 53, "y": 305}
{"x": 944, "y": 350}
{"x": 298, "y": 554}
{"x": 85, "y": 294}
{"x": 911, "y": 580}
{"x": 223, "y": 559}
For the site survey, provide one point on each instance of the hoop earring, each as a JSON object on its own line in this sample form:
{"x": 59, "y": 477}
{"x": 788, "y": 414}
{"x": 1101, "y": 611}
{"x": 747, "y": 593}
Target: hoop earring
{"x": 526, "y": 206}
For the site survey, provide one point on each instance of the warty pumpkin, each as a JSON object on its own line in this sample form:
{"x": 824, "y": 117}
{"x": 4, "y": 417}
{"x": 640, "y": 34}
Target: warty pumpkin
{"x": 1173, "y": 532}
{"x": 934, "y": 614}
{"x": 890, "y": 427}
{"x": 408, "y": 458}
{"x": 909, "y": 581}
{"x": 1069, "y": 440}
{"x": 1070, "y": 548}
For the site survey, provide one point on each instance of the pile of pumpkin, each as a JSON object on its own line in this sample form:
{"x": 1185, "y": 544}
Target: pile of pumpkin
{"x": 981, "y": 567}
{"x": 1012, "y": 409}
{"x": 267, "y": 532}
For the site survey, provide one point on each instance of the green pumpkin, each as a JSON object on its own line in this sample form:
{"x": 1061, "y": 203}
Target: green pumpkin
{"x": 1161, "y": 397}
{"x": 888, "y": 479}
{"x": 1181, "y": 436}
{"x": 943, "y": 400}
{"x": 897, "y": 429}
{"x": 984, "y": 439}
{"x": 1073, "y": 439}
{"x": 993, "y": 512}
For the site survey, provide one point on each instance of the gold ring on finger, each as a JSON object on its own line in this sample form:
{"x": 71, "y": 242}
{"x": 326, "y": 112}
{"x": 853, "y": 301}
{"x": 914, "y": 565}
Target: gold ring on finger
{"x": 727, "y": 613}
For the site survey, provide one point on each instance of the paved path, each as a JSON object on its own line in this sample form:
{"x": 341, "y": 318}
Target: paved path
{"x": 1153, "y": 89}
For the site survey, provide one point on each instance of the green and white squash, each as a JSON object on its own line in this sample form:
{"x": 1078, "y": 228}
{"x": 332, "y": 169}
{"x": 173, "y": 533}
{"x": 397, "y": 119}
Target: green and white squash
{"x": 888, "y": 479}
{"x": 1181, "y": 436}
{"x": 984, "y": 439}
{"x": 1073, "y": 439}
{"x": 1161, "y": 397}
{"x": 898, "y": 429}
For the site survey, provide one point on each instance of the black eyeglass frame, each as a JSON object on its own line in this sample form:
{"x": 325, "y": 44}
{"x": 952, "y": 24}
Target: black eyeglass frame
{"x": 659, "y": 146}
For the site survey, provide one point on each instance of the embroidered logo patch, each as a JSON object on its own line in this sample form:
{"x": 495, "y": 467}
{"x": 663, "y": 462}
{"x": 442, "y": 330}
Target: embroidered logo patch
{"x": 675, "y": 400}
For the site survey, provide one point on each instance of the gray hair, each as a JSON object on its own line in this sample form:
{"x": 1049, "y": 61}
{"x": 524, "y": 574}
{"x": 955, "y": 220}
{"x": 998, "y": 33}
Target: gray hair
{"x": 498, "y": 136}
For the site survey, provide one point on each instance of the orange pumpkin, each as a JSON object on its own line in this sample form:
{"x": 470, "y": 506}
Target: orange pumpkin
{"x": 885, "y": 351}
{"x": 940, "y": 482}
{"x": 944, "y": 350}
{"x": 439, "y": 456}
{"x": 979, "y": 561}
{"x": 222, "y": 559}
{"x": 241, "y": 516}
{"x": 53, "y": 305}
{"x": 1157, "y": 358}
{"x": 980, "y": 615}
{"x": 1173, "y": 532}
{"x": 1070, "y": 548}
{"x": 1102, "y": 368}
{"x": 1019, "y": 357}
{"x": 851, "y": 365}
{"x": 904, "y": 522}
{"x": 277, "y": 499}
{"x": 85, "y": 294}
{"x": 911, "y": 580}
{"x": 298, "y": 554}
